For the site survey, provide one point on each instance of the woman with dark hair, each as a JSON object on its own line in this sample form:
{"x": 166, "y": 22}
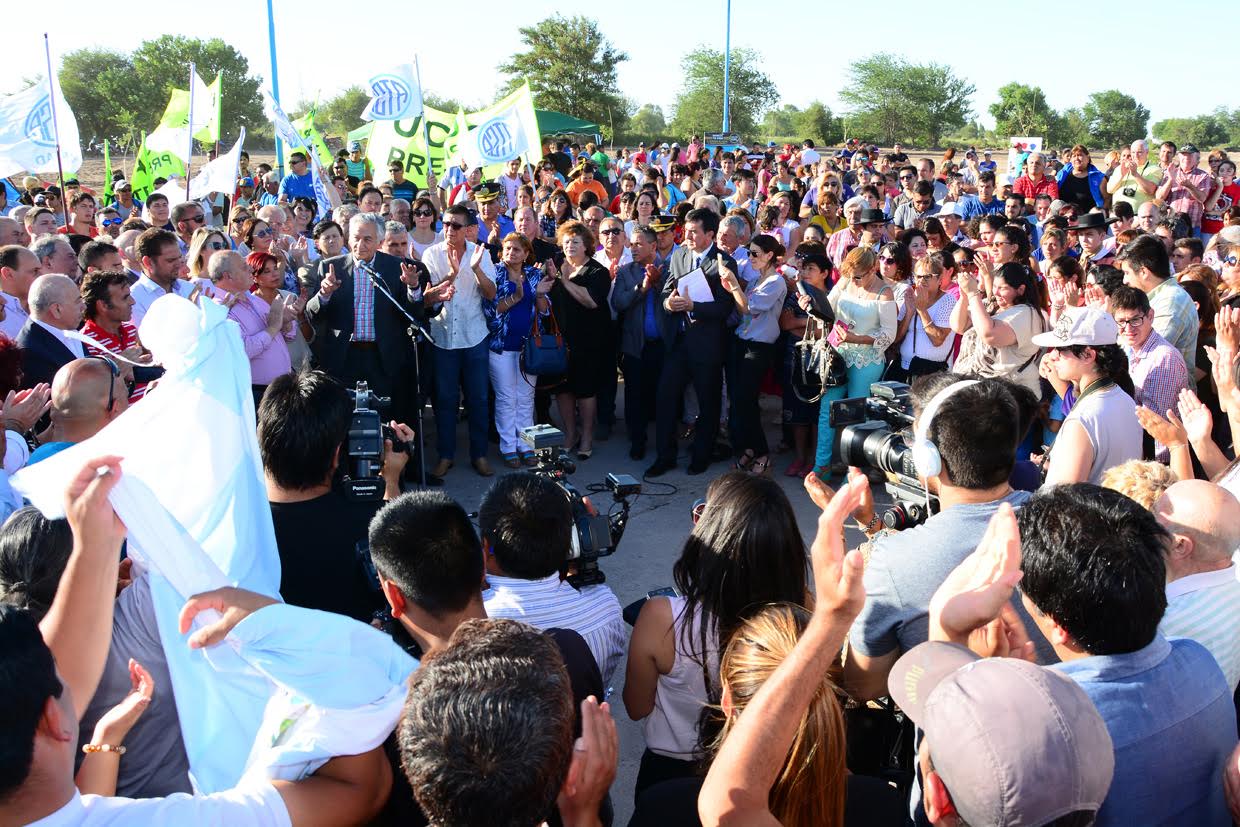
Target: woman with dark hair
{"x": 895, "y": 265}
{"x": 33, "y": 554}
{"x": 579, "y": 301}
{"x": 998, "y": 330}
{"x": 916, "y": 242}
{"x": 925, "y": 336}
{"x": 556, "y": 211}
{"x": 745, "y": 552}
{"x": 645, "y": 209}
{"x": 1102, "y": 430}
{"x": 425, "y": 219}
{"x": 302, "y": 217}
{"x": 759, "y": 303}
{"x": 936, "y": 236}
{"x": 1065, "y": 284}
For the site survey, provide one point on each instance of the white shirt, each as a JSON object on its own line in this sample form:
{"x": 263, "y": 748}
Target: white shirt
{"x": 1206, "y": 608}
{"x": 14, "y": 316}
{"x": 258, "y": 806}
{"x": 550, "y": 603}
{"x": 75, "y": 347}
{"x": 145, "y": 292}
{"x": 461, "y": 324}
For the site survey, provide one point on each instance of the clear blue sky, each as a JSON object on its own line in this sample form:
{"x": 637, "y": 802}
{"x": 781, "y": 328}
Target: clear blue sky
{"x": 324, "y": 51}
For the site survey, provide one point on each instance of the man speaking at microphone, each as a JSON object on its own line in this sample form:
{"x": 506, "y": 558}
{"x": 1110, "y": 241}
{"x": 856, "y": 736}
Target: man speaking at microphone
{"x": 361, "y": 336}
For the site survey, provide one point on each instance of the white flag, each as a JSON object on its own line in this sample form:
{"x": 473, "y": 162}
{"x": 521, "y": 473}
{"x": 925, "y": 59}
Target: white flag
{"x": 285, "y": 131}
{"x": 501, "y": 138}
{"x": 27, "y": 138}
{"x": 394, "y": 95}
{"x": 219, "y": 175}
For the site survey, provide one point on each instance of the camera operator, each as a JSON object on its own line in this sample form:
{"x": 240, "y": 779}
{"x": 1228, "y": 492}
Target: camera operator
{"x": 526, "y": 524}
{"x": 975, "y": 426}
{"x": 303, "y": 423}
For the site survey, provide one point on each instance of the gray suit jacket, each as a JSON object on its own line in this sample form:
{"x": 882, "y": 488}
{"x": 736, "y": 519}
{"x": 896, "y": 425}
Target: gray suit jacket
{"x": 629, "y": 301}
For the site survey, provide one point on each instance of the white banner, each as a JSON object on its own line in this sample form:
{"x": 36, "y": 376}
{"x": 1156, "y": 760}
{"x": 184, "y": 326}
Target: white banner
{"x": 219, "y": 175}
{"x": 27, "y": 138}
{"x": 498, "y": 139}
{"x": 394, "y": 95}
{"x": 285, "y": 131}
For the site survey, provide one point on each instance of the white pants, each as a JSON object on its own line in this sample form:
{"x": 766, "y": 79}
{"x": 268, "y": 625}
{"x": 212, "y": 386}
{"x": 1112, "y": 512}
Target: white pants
{"x": 514, "y": 400}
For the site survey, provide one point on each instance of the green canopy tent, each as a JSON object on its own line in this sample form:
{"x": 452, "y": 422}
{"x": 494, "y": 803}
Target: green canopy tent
{"x": 549, "y": 123}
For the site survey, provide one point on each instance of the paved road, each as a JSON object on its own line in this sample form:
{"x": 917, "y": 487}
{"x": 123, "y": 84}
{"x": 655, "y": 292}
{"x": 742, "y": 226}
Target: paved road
{"x": 659, "y": 523}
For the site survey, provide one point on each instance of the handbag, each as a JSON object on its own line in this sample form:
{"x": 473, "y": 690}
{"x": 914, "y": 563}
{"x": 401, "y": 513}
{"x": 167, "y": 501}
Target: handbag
{"x": 817, "y": 365}
{"x": 544, "y": 353}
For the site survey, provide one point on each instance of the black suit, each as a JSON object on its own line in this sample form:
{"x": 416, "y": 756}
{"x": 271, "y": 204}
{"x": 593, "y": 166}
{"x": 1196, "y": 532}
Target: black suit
{"x": 380, "y": 363}
{"x": 695, "y": 343}
{"x": 42, "y": 354}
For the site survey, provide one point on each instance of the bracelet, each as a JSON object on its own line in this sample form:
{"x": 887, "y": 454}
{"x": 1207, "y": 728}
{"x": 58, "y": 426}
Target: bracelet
{"x": 872, "y": 526}
{"x": 90, "y": 749}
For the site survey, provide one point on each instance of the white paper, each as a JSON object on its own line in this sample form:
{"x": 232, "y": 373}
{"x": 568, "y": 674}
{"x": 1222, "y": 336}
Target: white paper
{"x": 694, "y": 286}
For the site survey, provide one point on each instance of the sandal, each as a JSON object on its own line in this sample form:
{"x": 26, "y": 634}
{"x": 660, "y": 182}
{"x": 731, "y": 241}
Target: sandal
{"x": 745, "y": 461}
{"x": 760, "y": 467}
{"x": 511, "y": 460}
{"x": 585, "y": 453}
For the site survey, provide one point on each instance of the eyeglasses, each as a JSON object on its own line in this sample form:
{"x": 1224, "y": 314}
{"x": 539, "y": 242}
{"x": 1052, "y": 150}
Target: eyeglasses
{"x": 263, "y": 233}
{"x": 115, "y": 371}
{"x": 112, "y": 222}
{"x": 1231, "y": 260}
{"x": 241, "y": 219}
{"x": 216, "y": 245}
{"x": 1133, "y": 322}
{"x": 424, "y": 213}
{"x": 907, "y": 177}
{"x": 396, "y": 169}
{"x": 452, "y": 225}
{"x": 611, "y": 231}
{"x": 698, "y": 509}
{"x": 197, "y": 219}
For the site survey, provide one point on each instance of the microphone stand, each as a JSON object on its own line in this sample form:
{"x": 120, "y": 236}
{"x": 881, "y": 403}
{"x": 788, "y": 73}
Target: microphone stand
{"x": 415, "y": 331}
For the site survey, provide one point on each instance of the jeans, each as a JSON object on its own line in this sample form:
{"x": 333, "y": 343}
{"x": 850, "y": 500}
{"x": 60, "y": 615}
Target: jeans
{"x": 463, "y": 368}
{"x": 859, "y": 381}
{"x": 514, "y": 400}
{"x": 641, "y": 386}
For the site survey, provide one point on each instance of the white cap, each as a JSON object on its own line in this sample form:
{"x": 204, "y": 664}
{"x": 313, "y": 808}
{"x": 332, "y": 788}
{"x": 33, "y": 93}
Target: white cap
{"x": 951, "y": 208}
{"x": 1080, "y": 326}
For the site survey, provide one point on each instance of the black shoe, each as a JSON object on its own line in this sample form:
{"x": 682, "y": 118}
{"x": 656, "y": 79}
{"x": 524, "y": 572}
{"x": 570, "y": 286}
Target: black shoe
{"x": 602, "y": 431}
{"x": 637, "y": 451}
{"x": 696, "y": 468}
{"x": 659, "y": 469}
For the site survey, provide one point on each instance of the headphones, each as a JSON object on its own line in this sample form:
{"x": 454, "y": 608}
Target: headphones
{"x": 926, "y": 458}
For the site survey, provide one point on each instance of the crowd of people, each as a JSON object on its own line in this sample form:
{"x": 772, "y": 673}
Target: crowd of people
{"x": 1058, "y": 643}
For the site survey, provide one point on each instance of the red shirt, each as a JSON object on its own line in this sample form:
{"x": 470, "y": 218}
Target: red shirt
{"x": 1030, "y": 189}
{"x": 94, "y": 231}
{"x": 116, "y": 344}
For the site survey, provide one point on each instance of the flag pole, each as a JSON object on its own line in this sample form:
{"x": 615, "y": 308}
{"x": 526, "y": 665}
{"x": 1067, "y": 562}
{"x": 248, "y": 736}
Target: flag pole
{"x": 189, "y": 158}
{"x": 51, "y": 88}
{"x": 275, "y": 80}
{"x": 426, "y": 132}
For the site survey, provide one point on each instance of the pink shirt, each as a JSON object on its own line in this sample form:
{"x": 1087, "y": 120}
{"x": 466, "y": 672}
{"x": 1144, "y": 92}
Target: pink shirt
{"x": 268, "y": 354}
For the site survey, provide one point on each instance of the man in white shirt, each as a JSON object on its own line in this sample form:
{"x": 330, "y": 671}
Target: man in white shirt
{"x": 1203, "y": 594}
{"x": 160, "y": 255}
{"x": 527, "y": 531}
{"x": 18, "y": 270}
{"x": 459, "y": 333}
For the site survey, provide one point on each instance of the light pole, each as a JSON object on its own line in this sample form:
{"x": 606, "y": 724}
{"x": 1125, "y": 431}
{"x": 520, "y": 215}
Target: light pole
{"x": 275, "y": 80}
{"x": 727, "y": 64}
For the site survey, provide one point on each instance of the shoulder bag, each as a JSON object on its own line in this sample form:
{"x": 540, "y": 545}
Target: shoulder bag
{"x": 544, "y": 352}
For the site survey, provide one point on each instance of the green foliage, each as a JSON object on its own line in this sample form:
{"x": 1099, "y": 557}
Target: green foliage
{"x": 815, "y": 121}
{"x": 1113, "y": 118}
{"x": 1204, "y": 131}
{"x": 338, "y": 115}
{"x": 1023, "y": 110}
{"x": 571, "y": 68}
{"x": 116, "y": 96}
{"x": 647, "y": 122}
{"x": 699, "y": 105}
{"x": 894, "y": 100}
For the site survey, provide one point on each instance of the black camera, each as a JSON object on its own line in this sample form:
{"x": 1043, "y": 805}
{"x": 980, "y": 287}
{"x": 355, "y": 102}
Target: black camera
{"x": 364, "y": 448}
{"x": 874, "y": 436}
{"x": 597, "y": 534}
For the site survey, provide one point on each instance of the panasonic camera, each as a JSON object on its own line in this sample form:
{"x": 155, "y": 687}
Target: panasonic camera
{"x": 364, "y": 448}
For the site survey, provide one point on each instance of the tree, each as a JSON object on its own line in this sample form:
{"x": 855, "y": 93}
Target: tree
{"x": 115, "y": 95}
{"x": 1114, "y": 119}
{"x": 893, "y": 99}
{"x": 818, "y": 123}
{"x": 1072, "y": 129}
{"x": 648, "y": 122}
{"x": 1202, "y": 131}
{"x": 1023, "y": 110}
{"x": 699, "y": 105}
{"x": 571, "y": 68}
{"x": 343, "y": 112}
{"x": 781, "y": 122}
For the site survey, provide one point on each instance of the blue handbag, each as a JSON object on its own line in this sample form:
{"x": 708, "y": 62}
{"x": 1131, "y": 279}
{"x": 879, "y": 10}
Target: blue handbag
{"x": 544, "y": 352}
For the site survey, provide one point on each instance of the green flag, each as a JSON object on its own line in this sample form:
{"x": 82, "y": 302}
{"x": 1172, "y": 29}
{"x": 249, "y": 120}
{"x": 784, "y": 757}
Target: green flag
{"x": 150, "y": 165}
{"x": 108, "y": 195}
{"x": 306, "y": 128}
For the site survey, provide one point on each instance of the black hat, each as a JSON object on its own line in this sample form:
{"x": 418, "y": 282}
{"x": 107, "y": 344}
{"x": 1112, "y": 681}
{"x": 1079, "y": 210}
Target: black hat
{"x": 1091, "y": 221}
{"x": 1189, "y": 149}
{"x": 871, "y": 216}
{"x": 486, "y": 192}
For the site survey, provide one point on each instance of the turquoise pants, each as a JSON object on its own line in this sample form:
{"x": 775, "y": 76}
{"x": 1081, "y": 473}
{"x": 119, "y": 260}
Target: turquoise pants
{"x": 859, "y": 381}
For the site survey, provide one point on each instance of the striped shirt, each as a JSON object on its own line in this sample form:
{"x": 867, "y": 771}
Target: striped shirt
{"x": 594, "y": 613}
{"x": 116, "y": 344}
{"x": 1159, "y": 374}
{"x": 1175, "y": 317}
{"x": 363, "y": 305}
{"x": 1205, "y": 607}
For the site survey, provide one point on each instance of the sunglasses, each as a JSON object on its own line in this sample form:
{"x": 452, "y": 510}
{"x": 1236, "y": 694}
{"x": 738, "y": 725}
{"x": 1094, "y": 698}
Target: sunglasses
{"x": 611, "y": 231}
{"x": 112, "y": 222}
{"x": 216, "y": 245}
{"x": 241, "y": 219}
{"x": 1231, "y": 260}
{"x": 887, "y": 259}
{"x": 452, "y": 225}
{"x": 424, "y": 214}
{"x": 197, "y": 219}
{"x": 115, "y": 371}
{"x": 263, "y": 233}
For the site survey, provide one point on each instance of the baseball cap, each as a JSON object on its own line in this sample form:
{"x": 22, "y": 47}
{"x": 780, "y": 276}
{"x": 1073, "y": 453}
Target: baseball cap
{"x": 121, "y": 184}
{"x": 1188, "y": 149}
{"x": 355, "y": 146}
{"x": 1080, "y": 326}
{"x": 951, "y": 208}
{"x": 247, "y": 182}
{"x": 1057, "y": 205}
{"x": 771, "y": 144}
{"x": 1014, "y": 743}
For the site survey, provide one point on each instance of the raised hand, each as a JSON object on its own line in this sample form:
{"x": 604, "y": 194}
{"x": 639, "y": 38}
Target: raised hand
{"x": 299, "y": 305}
{"x": 1167, "y": 431}
{"x": 1096, "y": 299}
{"x": 115, "y": 724}
{"x": 1227, "y": 329}
{"x": 329, "y": 283}
{"x": 593, "y": 768}
{"x": 838, "y": 586}
{"x": 232, "y": 603}
{"x": 87, "y": 507}
{"x": 1072, "y": 294}
{"x": 975, "y": 592}
{"x": 475, "y": 261}
{"x": 967, "y": 283}
{"x": 409, "y": 274}
{"x": 652, "y": 276}
{"x": 1197, "y": 419}
{"x": 22, "y": 409}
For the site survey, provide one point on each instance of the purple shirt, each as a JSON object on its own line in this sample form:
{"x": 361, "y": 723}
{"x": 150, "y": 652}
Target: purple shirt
{"x": 268, "y": 354}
